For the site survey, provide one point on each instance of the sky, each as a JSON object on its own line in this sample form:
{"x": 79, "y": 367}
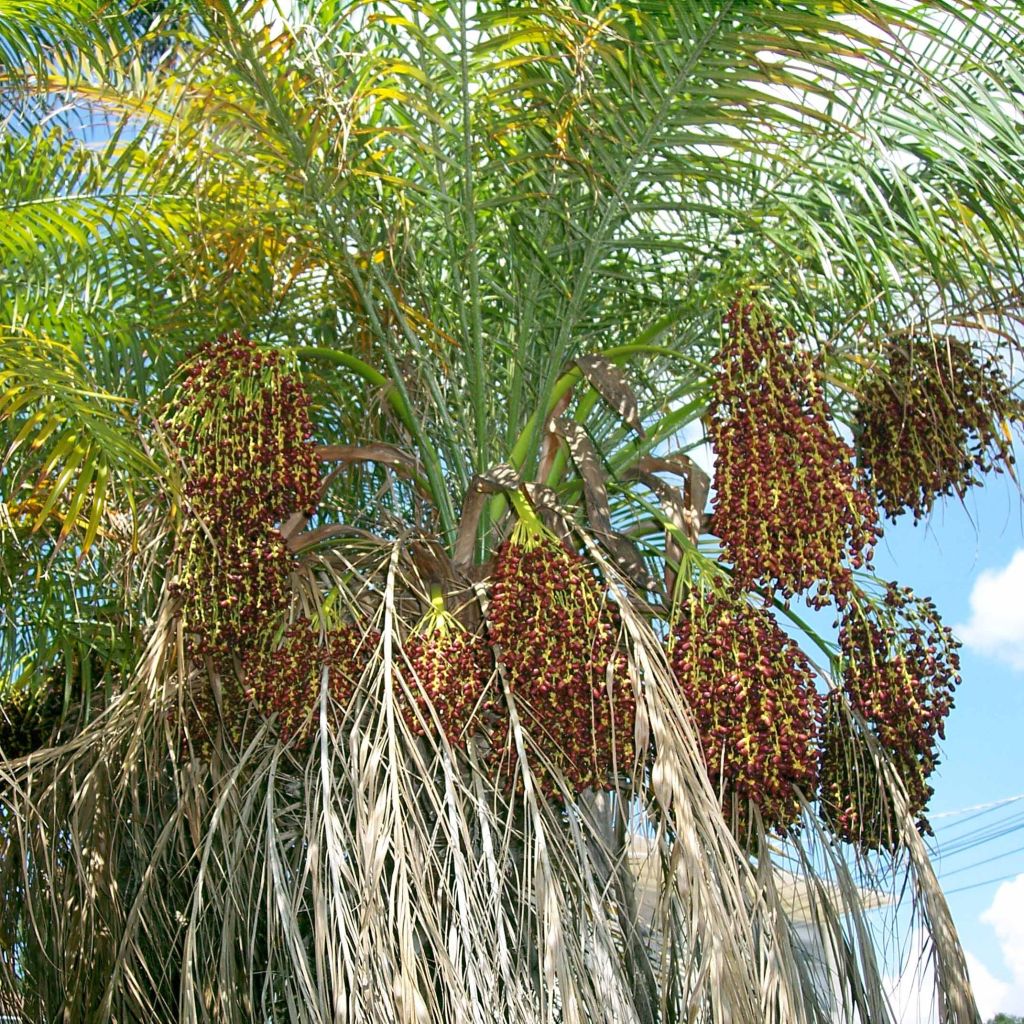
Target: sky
{"x": 969, "y": 558}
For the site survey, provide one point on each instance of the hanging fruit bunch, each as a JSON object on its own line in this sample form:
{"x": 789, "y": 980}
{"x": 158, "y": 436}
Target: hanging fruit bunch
{"x": 935, "y": 413}
{"x": 284, "y": 683}
{"x": 752, "y": 695}
{"x": 853, "y": 800}
{"x": 788, "y": 504}
{"x": 558, "y": 642}
{"x": 28, "y": 717}
{"x": 451, "y": 669}
{"x": 900, "y": 668}
{"x": 241, "y": 432}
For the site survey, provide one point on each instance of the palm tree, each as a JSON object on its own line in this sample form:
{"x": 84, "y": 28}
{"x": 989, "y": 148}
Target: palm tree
{"x": 371, "y": 651}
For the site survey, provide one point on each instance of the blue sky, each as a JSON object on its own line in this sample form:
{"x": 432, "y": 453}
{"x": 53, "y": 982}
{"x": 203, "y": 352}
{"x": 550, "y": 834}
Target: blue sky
{"x": 963, "y": 558}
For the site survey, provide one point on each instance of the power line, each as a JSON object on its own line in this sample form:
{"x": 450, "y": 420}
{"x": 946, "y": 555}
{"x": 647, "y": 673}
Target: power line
{"x": 986, "y": 833}
{"x": 978, "y": 885}
{"x": 987, "y": 860}
{"x": 956, "y": 826}
{"x": 991, "y": 805}
{"x": 982, "y": 834}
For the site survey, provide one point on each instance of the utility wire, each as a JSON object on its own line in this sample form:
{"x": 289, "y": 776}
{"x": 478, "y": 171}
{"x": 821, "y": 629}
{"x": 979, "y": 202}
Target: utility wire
{"x": 958, "y": 825}
{"x": 988, "y": 881}
{"x": 983, "y": 833}
{"x": 987, "y": 860}
{"x": 978, "y": 837}
{"x": 991, "y": 805}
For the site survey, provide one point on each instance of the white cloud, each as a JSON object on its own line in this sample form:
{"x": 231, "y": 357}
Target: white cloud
{"x": 1006, "y": 916}
{"x": 991, "y": 994}
{"x": 996, "y": 626}
{"x": 912, "y": 995}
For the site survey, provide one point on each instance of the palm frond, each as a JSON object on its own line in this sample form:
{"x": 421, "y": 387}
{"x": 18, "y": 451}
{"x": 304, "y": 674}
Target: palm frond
{"x": 496, "y": 249}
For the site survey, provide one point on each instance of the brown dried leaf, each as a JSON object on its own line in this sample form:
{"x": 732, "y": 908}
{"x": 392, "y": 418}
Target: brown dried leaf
{"x": 545, "y": 501}
{"x": 498, "y": 478}
{"x": 698, "y": 485}
{"x": 378, "y": 451}
{"x": 584, "y": 454}
{"x": 627, "y": 557}
{"x": 673, "y": 505}
{"x": 501, "y": 477}
{"x": 430, "y": 560}
{"x": 549, "y": 445}
{"x": 609, "y": 381}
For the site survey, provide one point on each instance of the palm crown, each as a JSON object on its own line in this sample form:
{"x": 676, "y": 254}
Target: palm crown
{"x": 355, "y": 362}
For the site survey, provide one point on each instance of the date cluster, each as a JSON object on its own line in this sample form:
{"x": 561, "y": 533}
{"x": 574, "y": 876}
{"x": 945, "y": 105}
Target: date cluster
{"x": 558, "y": 642}
{"x": 28, "y": 718}
{"x": 789, "y": 507}
{"x": 752, "y": 696}
{"x": 243, "y": 437}
{"x": 452, "y": 668}
{"x": 900, "y": 669}
{"x": 934, "y": 415}
{"x": 284, "y": 682}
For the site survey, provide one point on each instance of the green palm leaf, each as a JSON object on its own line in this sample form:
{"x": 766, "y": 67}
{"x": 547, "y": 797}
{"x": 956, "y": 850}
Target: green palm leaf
{"x": 495, "y": 247}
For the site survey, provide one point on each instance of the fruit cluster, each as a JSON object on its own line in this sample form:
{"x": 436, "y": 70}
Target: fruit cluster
{"x": 752, "y": 695}
{"x": 452, "y": 668}
{"x": 233, "y": 588}
{"x": 788, "y": 505}
{"x": 558, "y": 643}
{"x": 853, "y": 801}
{"x": 244, "y": 423}
{"x": 933, "y": 415}
{"x": 285, "y": 681}
{"x": 242, "y": 435}
{"x": 29, "y": 717}
{"x": 241, "y": 428}
{"x": 900, "y": 668}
